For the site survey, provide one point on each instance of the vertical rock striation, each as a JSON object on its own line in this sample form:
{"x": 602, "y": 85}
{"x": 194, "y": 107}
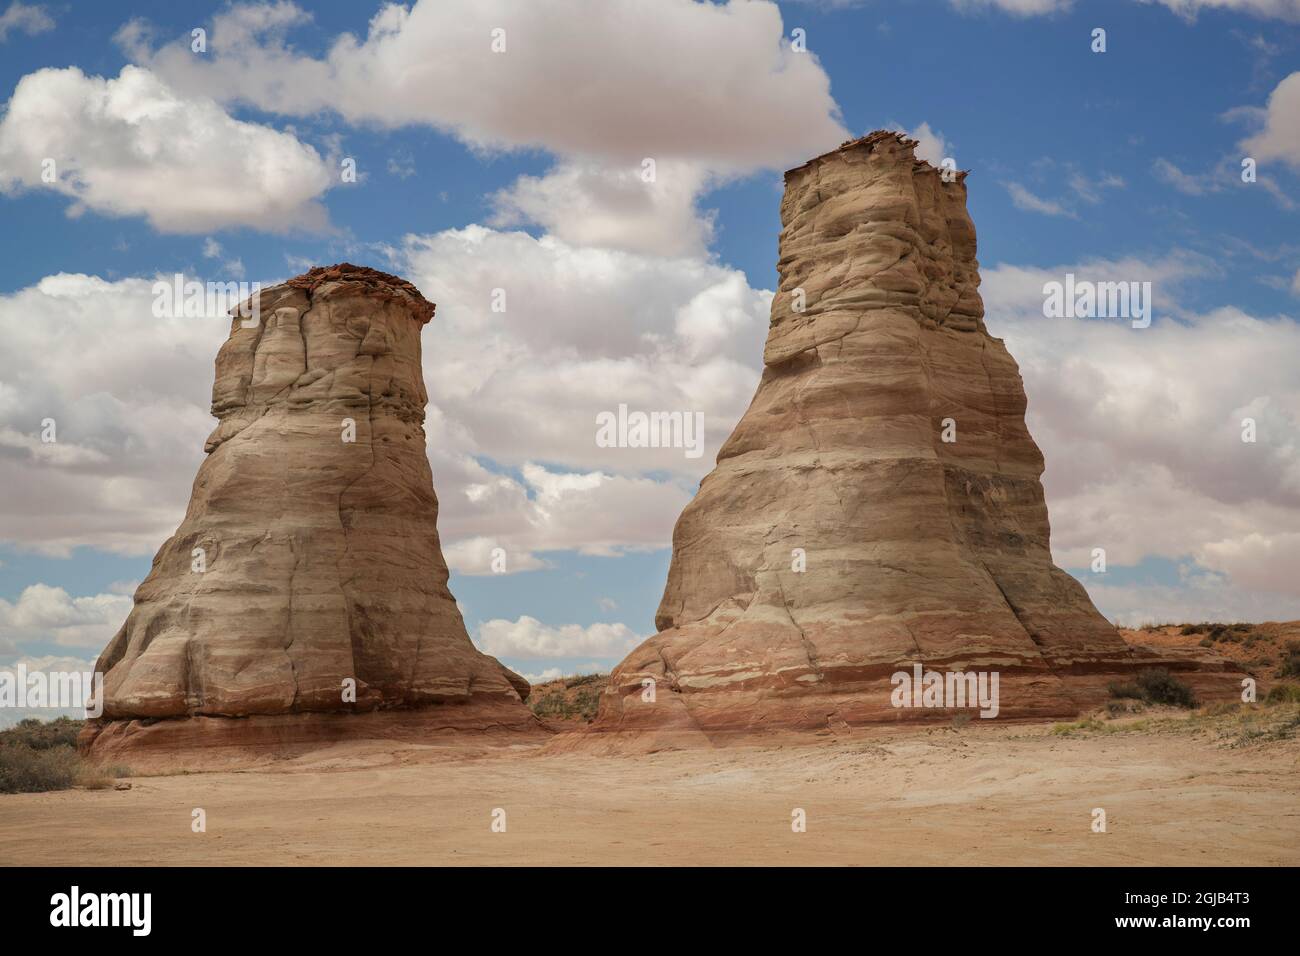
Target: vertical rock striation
{"x": 917, "y": 549}
{"x": 308, "y": 563}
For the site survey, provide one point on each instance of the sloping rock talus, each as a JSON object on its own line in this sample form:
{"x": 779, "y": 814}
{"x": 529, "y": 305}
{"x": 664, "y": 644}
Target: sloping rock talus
{"x": 304, "y": 597}
{"x": 879, "y": 503}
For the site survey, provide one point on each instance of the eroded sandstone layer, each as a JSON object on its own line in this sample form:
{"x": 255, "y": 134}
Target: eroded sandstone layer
{"x": 916, "y": 549}
{"x": 304, "y": 597}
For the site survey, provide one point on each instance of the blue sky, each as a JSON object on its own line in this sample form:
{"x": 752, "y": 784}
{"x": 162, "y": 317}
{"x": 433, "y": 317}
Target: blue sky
{"x": 1117, "y": 164}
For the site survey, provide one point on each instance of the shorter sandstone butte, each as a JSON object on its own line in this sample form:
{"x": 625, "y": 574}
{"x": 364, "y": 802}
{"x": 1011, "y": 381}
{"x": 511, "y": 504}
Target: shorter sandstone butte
{"x": 918, "y": 549}
{"x": 305, "y": 560}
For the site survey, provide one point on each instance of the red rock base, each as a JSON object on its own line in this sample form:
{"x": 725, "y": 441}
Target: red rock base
{"x": 681, "y": 718}
{"x": 220, "y": 743}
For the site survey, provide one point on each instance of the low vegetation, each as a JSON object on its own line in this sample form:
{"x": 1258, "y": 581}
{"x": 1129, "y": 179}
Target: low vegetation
{"x": 1228, "y": 633}
{"x": 43, "y": 734}
{"x": 1249, "y": 724}
{"x": 1154, "y": 686}
{"x": 1290, "y": 661}
{"x": 574, "y": 698}
{"x": 1090, "y": 725}
{"x": 1283, "y": 694}
{"x": 37, "y": 756}
{"x": 1232, "y": 723}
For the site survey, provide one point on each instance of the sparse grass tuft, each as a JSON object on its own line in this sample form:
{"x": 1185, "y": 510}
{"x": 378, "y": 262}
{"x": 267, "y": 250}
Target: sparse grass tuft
{"x": 1123, "y": 707}
{"x": 1221, "y": 709}
{"x": 1274, "y": 722}
{"x": 1124, "y": 690}
{"x": 1079, "y": 726}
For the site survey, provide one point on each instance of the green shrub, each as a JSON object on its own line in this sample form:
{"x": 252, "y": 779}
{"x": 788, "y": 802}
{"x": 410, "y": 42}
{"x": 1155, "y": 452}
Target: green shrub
{"x": 1154, "y": 686}
{"x": 29, "y": 770}
{"x": 1158, "y": 686}
{"x": 1283, "y": 694}
{"x": 553, "y": 704}
{"x": 37, "y": 756}
{"x": 587, "y": 702}
{"x": 43, "y": 734}
{"x": 1291, "y": 662}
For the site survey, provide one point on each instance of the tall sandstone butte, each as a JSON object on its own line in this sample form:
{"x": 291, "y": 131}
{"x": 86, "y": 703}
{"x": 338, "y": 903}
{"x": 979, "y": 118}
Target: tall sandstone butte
{"x": 917, "y": 549}
{"x": 305, "y": 560}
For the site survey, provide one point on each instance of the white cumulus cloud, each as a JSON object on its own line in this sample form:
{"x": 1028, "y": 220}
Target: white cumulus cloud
{"x": 1142, "y": 428}
{"x": 1279, "y": 139}
{"x": 1190, "y": 9}
{"x": 589, "y": 203}
{"x": 51, "y": 615}
{"x": 127, "y": 395}
{"x": 530, "y": 639}
{"x": 586, "y": 82}
{"x": 132, "y": 146}
{"x": 513, "y": 397}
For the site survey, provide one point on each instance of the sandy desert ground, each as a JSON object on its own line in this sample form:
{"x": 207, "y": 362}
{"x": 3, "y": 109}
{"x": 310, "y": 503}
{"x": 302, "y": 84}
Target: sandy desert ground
{"x": 1204, "y": 790}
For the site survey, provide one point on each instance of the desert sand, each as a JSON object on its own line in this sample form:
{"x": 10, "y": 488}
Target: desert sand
{"x": 1175, "y": 790}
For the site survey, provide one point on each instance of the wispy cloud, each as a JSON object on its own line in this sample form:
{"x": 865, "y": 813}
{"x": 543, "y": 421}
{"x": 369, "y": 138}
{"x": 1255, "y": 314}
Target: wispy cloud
{"x": 1185, "y": 182}
{"x": 24, "y": 18}
{"x": 1024, "y": 199}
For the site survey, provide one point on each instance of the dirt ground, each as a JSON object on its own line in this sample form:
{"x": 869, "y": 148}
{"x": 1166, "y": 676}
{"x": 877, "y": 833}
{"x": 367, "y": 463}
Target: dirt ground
{"x": 1175, "y": 791}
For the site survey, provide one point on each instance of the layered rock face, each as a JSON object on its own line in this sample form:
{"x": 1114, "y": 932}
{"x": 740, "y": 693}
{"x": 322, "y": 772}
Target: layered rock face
{"x": 879, "y": 504}
{"x": 304, "y": 596}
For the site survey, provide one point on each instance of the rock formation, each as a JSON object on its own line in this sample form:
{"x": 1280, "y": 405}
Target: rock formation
{"x": 304, "y": 597}
{"x": 879, "y": 503}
